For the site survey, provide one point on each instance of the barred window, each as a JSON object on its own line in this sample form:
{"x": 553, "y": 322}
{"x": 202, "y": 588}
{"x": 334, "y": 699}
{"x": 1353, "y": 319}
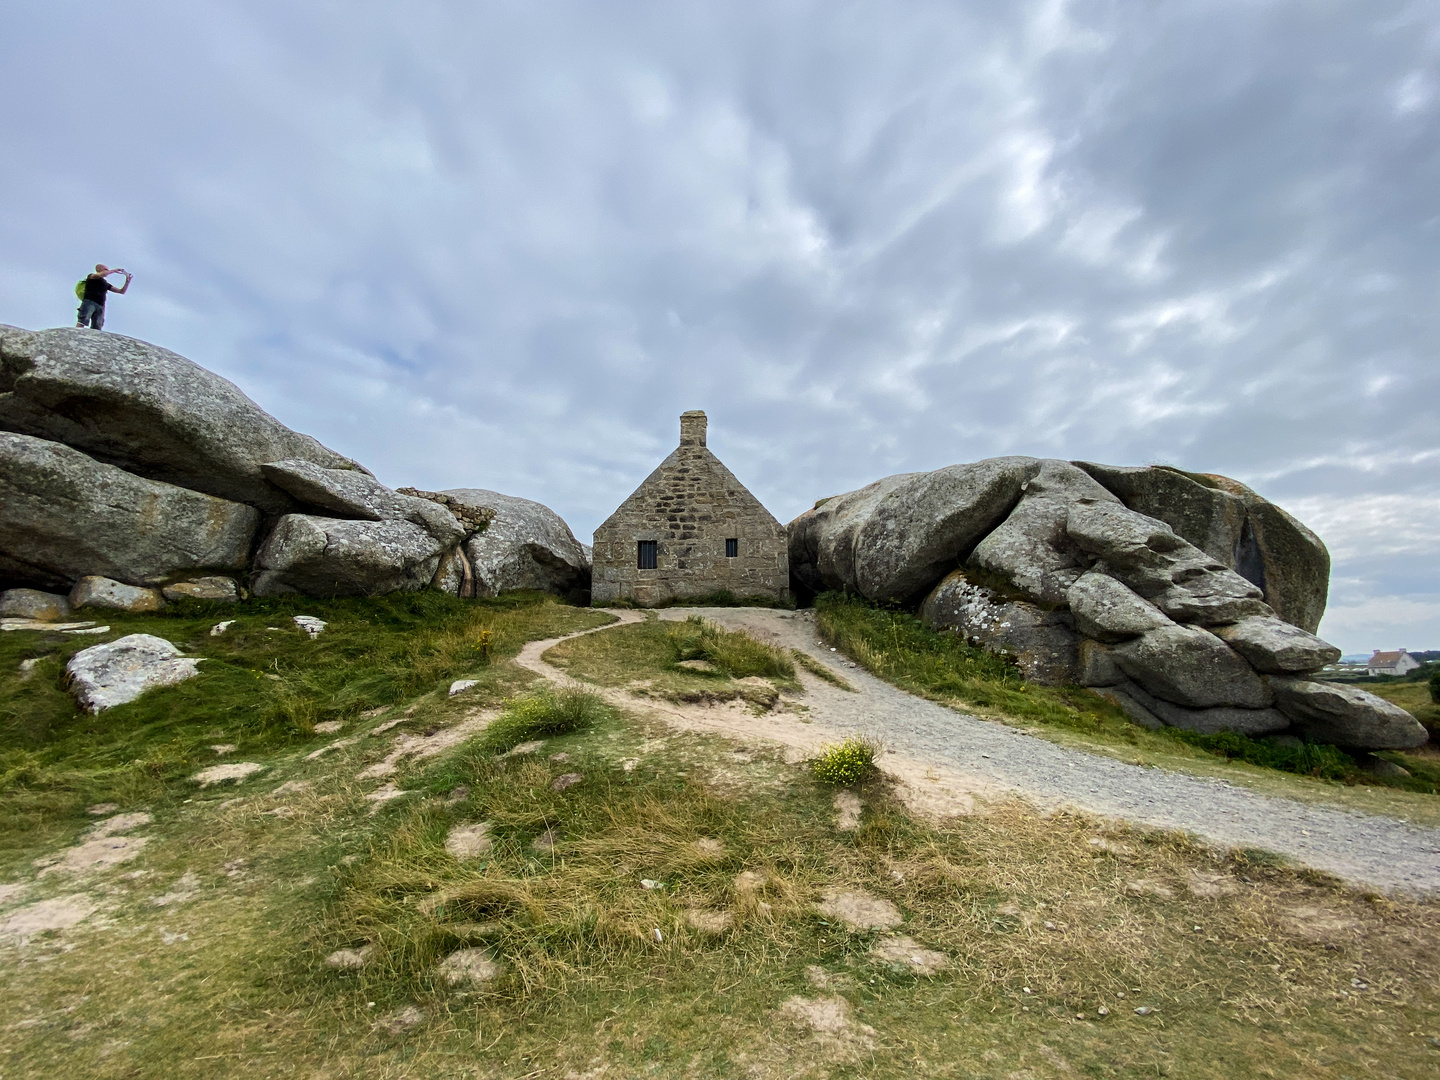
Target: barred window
{"x": 647, "y": 556}
{"x": 732, "y": 549}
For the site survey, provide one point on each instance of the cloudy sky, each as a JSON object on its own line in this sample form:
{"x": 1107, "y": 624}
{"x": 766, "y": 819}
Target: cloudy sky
{"x": 504, "y": 245}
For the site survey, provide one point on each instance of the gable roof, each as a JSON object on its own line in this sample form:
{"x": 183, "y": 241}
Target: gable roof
{"x": 1385, "y": 659}
{"x": 700, "y": 455}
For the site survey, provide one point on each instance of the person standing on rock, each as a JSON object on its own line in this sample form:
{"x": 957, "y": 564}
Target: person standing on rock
{"x": 94, "y": 289}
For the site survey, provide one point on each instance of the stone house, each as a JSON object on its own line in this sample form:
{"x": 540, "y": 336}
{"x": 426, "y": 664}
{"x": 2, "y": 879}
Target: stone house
{"x": 1391, "y": 663}
{"x": 689, "y": 530}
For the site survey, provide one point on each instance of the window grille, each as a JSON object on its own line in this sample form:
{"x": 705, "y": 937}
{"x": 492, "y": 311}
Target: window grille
{"x": 647, "y": 556}
{"x": 732, "y": 548}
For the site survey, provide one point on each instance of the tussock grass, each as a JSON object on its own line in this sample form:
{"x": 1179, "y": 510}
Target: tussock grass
{"x": 898, "y": 647}
{"x": 543, "y": 713}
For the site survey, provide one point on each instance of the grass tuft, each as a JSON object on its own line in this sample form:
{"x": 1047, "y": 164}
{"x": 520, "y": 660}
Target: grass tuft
{"x": 542, "y": 714}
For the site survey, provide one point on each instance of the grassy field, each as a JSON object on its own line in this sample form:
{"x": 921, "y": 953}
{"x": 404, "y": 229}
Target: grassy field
{"x": 648, "y": 899}
{"x": 899, "y": 648}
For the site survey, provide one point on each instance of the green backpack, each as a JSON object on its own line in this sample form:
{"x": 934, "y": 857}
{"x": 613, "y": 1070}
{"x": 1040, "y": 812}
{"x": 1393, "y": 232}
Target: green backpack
{"x": 80, "y": 289}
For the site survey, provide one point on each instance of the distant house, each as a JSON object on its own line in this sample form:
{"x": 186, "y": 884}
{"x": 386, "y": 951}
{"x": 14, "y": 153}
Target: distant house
{"x": 1391, "y": 663}
{"x": 690, "y": 530}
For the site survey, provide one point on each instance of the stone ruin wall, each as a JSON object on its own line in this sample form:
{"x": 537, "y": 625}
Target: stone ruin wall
{"x": 690, "y": 505}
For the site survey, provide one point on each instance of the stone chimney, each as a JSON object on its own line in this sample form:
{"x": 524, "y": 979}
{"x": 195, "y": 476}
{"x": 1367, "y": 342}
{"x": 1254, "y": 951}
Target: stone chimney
{"x": 692, "y": 428}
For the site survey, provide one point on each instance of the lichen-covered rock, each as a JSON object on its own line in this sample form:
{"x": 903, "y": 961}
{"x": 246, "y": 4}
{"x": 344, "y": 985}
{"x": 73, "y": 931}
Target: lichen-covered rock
{"x": 212, "y": 587}
{"x": 33, "y": 604}
{"x": 117, "y": 672}
{"x": 148, "y": 410}
{"x": 1275, "y": 646}
{"x": 64, "y": 515}
{"x": 526, "y": 546}
{"x": 1042, "y": 642}
{"x": 1346, "y": 715}
{"x": 1188, "y": 666}
{"x": 351, "y": 494}
{"x": 1032, "y": 547}
{"x": 1235, "y": 526}
{"x": 102, "y": 592}
{"x": 1107, "y": 610}
{"x": 332, "y": 557}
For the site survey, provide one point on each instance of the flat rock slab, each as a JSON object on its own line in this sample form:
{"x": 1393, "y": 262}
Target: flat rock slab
{"x": 908, "y": 955}
{"x": 859, "y": 910}
{"x": 220, "y": 774}
{"x": 474, "y": 966}
{"x": 117, "y": 672}
{"x": 60, "y": 913}
{"x": 218, "y": 588}
{"x": 469, "y": 841}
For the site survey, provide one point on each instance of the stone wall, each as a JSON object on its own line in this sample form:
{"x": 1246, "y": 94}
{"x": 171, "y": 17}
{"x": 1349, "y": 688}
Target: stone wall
{"x": 690, "y": 506}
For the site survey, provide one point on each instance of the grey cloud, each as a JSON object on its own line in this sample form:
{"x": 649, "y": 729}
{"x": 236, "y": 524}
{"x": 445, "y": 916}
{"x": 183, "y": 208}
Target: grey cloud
{"x": 504, "y": 245}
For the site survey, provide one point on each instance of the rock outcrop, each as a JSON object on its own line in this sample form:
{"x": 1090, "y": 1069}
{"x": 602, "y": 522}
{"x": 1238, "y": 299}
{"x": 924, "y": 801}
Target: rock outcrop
{"x": 1189, "y": 601}
{"x": 125, "y": 462}
{"x": 64, "y": 515}
{"x": 150, "y": 411}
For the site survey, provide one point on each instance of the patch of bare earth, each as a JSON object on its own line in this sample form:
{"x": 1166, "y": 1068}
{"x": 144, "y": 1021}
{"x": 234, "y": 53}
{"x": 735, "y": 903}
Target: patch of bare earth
{"x": 858, "y": 909}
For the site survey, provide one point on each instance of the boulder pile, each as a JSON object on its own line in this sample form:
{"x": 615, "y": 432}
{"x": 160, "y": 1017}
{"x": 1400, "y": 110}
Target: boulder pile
{"x": 130, "y": 476}
{"x": 1186, "y": 599}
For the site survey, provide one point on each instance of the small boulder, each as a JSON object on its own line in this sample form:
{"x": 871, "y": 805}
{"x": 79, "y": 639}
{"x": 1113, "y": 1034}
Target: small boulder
{"x": 102, "y": 592}
{"x": 1183, "y": 581}
{"x": 1346, "y": 715}
{"x": 33, "y": 604}
{"x": 1188, "y": 666}
{"x": 223, "y": 589}
{"x": 1043, "y": 643}
{"x": 117, "y": 672}
{"x": 1276, "y": 647}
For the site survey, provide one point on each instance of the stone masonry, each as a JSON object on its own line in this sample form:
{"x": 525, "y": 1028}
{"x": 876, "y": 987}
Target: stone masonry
{"x": 693, "y": 510}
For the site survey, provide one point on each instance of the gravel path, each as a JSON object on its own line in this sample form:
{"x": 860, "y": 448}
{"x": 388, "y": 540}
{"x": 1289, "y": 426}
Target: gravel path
{"x": 1364, "y": 849}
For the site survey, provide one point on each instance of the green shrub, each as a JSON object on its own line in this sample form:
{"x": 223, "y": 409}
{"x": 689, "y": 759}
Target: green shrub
{"x": 1307, "y": 759}
{"x": 846, "y": 763}
{"x": 542, "y": 714}
{"x": 1435, "y": 686}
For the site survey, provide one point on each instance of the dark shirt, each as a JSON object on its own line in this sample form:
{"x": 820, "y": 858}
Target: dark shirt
{"x": 96, "y": 287}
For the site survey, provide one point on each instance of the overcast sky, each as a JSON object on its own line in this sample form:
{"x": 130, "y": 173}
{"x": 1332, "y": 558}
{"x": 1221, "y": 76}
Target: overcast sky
{"x": 504, "y": 245}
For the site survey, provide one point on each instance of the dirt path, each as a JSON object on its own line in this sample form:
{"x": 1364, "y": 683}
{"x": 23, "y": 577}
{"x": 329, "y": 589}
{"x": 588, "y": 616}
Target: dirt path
{"x": 943, "y": 759}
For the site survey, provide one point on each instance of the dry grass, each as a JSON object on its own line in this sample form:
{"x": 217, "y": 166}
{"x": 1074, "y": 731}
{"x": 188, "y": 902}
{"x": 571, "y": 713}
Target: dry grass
{"x": 1249, "y": 969}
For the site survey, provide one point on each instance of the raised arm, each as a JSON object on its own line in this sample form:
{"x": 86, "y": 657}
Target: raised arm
{"x": 121, "y": 291}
